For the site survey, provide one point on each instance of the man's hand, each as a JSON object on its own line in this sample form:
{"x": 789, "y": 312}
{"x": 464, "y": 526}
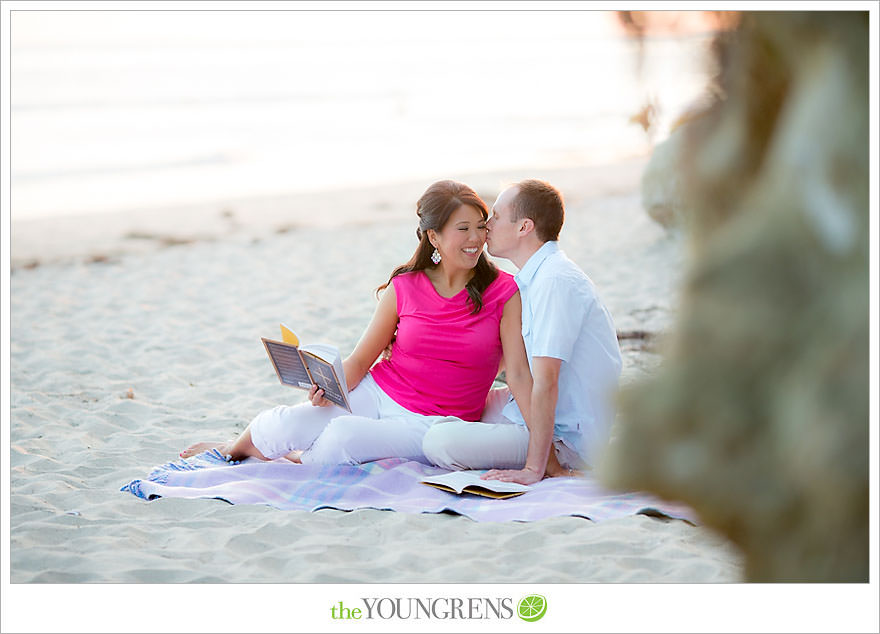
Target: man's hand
{"x": 522, "y": 476}
{"x": 386, "y": 353}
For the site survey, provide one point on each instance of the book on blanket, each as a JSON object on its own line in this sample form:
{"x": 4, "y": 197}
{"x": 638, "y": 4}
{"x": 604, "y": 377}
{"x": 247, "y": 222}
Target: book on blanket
{"x": 469, "y": 482}
{"x": 303, "y": 365}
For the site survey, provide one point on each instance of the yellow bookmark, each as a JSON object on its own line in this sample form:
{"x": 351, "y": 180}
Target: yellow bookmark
{"x": 287, "y": 336}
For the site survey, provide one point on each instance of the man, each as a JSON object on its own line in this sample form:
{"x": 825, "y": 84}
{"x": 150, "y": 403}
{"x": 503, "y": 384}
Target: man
{"x": 573, "y": 354}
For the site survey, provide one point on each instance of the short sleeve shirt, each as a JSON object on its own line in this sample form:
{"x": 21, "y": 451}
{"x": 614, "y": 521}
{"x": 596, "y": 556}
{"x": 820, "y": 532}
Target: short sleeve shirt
{"x": 563, "y": 318}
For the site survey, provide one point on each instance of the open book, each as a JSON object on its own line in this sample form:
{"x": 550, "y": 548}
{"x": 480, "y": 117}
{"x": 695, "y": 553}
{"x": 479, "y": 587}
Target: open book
{"x": 301, "y": 366}
{"x": 470, "y": 482}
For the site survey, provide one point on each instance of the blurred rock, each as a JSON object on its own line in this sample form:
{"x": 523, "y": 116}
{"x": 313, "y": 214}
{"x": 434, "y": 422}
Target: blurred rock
{"x": 758, "y": 415}
{"x": 664, "y": 175}
{"x": 661, "y": 182}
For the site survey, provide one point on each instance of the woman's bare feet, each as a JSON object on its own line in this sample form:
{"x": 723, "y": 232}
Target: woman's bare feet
{"x": 295, "y": 456}
{"x": 233, "y": 450}
{"x": 201, "y": 447}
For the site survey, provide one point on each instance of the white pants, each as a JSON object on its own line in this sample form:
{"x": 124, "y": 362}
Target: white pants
{"x": 494, "y": 443}
{"x": 377, "y": 428}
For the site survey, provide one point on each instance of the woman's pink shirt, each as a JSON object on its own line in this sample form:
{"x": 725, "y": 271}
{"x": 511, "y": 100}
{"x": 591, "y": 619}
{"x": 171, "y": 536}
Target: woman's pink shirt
{"x": 444, "y": 359}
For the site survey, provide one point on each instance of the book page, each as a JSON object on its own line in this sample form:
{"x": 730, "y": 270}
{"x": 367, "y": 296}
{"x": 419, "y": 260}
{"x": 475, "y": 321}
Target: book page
{"x": 288, "y": 365}
{"x": 458, "y": 481}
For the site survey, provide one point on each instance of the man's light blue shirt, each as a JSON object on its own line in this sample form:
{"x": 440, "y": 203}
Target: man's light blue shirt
{"x": 563, "y": 318}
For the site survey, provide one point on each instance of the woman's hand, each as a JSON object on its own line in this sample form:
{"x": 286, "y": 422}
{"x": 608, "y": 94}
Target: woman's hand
{"x": 316, "y": 396}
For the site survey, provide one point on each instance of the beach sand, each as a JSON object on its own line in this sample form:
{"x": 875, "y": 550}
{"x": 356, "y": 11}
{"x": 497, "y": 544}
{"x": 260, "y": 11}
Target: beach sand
{"x": 134, "y": 335}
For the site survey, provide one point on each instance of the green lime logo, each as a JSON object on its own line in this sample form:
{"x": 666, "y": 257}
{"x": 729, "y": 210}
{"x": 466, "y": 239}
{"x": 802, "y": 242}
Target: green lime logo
{"x": 532, "y": 608}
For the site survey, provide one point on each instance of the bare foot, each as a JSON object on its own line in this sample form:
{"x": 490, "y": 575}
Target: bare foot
{"x": 201, "y": 447}
{"x": 562, "y": 472}
{"x": 556, "y": 470}
{"x": 295, "y": 456}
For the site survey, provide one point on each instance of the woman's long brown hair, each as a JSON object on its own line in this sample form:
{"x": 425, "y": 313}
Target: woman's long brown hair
{"x": 434, "y": 208}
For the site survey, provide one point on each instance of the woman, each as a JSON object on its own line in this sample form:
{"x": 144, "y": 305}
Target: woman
{"x": 452, "y": 316}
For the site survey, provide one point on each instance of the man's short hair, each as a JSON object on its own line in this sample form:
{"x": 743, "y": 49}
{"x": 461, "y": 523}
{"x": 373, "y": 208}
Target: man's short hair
{"x": 542, "y": 203}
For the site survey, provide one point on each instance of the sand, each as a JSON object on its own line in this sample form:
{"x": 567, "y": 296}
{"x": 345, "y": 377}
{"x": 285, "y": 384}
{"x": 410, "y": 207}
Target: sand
{"x": 133, "y": 336}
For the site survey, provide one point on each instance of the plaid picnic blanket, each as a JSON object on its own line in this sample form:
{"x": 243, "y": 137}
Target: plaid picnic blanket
{"x": 392, "y": 484}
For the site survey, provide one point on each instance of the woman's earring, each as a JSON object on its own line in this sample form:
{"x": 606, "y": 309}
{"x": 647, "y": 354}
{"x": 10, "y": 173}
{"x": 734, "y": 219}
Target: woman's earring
{"x": 436, "y": 257}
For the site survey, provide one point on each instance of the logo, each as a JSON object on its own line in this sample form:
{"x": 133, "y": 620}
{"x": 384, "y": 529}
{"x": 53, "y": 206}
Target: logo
{"x": 532, "y": 608}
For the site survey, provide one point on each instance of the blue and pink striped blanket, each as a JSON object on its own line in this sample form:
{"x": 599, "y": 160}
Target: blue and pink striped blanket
{"x": 391, "y": 484}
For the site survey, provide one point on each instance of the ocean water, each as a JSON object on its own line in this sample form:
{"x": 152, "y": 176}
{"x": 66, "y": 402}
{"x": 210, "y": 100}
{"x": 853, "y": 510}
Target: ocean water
{"x": 120, "y": 110}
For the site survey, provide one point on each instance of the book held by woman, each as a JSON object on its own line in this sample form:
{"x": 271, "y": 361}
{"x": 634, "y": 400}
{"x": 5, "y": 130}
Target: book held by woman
{"x": 302, "y": 366}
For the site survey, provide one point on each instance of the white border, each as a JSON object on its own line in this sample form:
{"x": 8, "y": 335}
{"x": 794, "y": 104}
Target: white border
{"x": 5, "y": 253}
{"x": 302, "y": 607}
{"x": 670, "y": 608}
